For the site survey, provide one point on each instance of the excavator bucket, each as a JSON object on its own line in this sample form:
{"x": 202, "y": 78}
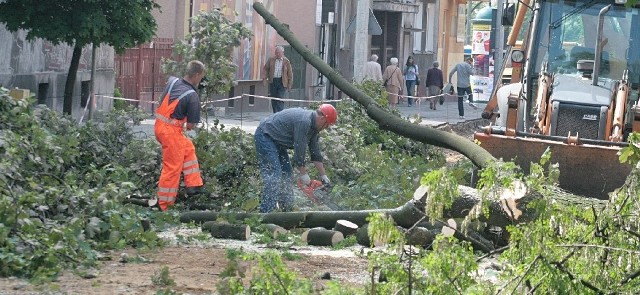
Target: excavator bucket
{"x": 587, "y": 170}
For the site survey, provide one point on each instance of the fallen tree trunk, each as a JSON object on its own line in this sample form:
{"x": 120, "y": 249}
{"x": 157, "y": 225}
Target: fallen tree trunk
{"x": 510, "y": 208}
{"x": 405, "y": 216}
{"x": 479, "y": 156}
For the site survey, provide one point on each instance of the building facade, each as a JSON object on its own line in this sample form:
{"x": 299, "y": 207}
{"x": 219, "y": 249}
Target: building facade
{"x": 428, "y": 30}
{"x": 42, "y": 68}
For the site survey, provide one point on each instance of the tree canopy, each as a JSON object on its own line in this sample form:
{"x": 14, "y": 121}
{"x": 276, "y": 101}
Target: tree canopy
{"x": 118, "y": 23}
{"x": 211, "y": 40}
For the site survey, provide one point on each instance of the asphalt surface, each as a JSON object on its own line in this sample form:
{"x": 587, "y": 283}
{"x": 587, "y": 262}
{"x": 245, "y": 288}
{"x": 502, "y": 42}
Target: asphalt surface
{"x": 447, "y": 113}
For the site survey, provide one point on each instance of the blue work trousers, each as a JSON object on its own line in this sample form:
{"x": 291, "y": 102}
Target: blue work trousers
{"x": 276, "y": 172}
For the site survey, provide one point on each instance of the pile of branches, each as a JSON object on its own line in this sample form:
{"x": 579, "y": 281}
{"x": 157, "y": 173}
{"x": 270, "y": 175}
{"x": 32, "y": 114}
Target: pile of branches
{"x": 62, "y": 187}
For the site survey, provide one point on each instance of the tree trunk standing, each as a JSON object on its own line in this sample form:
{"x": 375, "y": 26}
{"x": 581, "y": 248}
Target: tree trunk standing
{"x": 361, "y": 47}
{"x": 71, "y": 79}
{"x": 476, "y": 154}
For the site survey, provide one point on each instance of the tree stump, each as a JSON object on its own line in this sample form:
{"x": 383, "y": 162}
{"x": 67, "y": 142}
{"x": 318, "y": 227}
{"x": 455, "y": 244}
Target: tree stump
{"x": 347, "y": 228}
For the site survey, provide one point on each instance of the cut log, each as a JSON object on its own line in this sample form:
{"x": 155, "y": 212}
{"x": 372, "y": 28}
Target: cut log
{"x": 420, "y": 236}
{"x": 140, "y": 202}
{"x": 227, "y": 231}
{"x": 362, "y": 237}
{"x": 274, "y": 230}
{"x": 347, "y": 228}
{"x": 320, "y": 236}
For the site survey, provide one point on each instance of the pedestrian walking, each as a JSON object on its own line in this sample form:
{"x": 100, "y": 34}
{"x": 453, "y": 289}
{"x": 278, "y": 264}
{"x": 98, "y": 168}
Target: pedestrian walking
{"x": 464, "y": 70}
{"x": 411, "y": 78}
{"x": 279, "y": 75}
{"x": 434, "y": 83}
{"x": 372, "y": 69}
{"x": 393, "y": 82}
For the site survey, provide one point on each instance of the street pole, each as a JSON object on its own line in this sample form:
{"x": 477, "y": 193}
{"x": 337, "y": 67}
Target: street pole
{"x": 92, "y": 96}
{"x": 362, "y": 40}
{"x": 499, "y": 53}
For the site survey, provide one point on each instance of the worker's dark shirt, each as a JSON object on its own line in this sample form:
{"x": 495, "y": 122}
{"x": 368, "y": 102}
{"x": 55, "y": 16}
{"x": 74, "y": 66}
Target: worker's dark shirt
{"x": 294, "y": 128}
{"x": 188, "y": 106}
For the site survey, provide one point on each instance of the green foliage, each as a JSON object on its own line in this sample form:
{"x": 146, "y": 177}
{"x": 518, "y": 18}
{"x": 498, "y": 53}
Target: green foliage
{"x": 162, "y": 278}
{"x": 366, "y": 161}
{"x": 118, "y": 104}
{"x": 631, "y": 153}
{"x": 382, "y": 228}
{"x": 270, "y": 276}
{"x": 452, "y": 262}
{"x": 229, "y": 166}
{"x": 214, "y": 36}
{"x": 61, "y": 190}
{"x": 118, "y": 23}
{"x": 442, "y": 191}
{"x": 346, "y": 243}
{"x": 450, "y": 268}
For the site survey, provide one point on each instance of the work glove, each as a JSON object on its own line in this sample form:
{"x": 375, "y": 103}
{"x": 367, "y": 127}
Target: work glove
{"x": 325, "y": 179}
{"x": 305, "y": 179}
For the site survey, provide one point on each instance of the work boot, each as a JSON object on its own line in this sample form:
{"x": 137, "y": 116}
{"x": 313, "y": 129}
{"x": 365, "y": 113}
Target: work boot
{"x": 194, "y": 191}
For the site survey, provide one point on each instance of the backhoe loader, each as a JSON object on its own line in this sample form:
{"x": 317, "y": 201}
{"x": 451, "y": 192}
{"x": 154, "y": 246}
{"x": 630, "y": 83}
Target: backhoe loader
{"x": 576, "y": 93}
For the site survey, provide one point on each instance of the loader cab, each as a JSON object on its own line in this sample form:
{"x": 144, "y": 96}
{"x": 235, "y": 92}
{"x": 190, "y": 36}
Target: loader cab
{"x": 564, "y": 34}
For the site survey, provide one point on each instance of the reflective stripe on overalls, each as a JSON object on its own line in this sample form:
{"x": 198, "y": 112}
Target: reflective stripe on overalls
{"x": 178, "y": 152}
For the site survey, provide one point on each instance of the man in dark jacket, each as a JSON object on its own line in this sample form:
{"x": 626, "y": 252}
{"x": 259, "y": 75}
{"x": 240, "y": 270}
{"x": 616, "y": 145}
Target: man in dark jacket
{"x": 434, "y": 83}
{"x": 296, "y": 129}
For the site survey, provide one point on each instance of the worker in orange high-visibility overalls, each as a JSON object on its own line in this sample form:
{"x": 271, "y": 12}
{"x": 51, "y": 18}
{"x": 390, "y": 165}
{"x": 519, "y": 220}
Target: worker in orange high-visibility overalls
{"x": 179, "y": 109}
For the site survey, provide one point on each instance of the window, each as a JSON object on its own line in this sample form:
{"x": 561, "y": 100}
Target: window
{"x": 345, "y": 11}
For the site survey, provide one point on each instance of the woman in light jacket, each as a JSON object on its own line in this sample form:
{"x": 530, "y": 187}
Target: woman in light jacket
{"x": 393, "y": 76}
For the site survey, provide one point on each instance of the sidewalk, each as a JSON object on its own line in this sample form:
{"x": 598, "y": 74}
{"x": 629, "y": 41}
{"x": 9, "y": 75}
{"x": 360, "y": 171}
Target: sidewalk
{"x": 446, "y": 113}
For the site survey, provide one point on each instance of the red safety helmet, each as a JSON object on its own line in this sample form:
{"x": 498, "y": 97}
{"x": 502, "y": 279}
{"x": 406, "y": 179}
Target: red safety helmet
{"x": 329, "y": 113}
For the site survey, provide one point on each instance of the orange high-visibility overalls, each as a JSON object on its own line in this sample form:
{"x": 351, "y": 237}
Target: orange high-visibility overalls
{"x": 178, "y": 152}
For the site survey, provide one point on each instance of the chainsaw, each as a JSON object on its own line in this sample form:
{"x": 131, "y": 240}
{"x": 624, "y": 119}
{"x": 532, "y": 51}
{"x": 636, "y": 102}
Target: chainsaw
{"x": 318, "y": 193}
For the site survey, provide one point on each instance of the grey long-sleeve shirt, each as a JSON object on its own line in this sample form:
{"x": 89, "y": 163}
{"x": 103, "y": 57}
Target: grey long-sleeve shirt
{"x": 294, "y": 128}
{"x": 464, "y": 70}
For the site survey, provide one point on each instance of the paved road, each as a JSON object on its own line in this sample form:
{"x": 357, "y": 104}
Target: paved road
{"x": 445, "y": 114}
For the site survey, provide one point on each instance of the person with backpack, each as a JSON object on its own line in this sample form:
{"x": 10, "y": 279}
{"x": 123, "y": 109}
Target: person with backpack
{"x": 411, "y": 78}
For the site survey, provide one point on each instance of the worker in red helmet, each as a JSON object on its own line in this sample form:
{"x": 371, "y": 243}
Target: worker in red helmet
{"x": 297, "y": 129}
